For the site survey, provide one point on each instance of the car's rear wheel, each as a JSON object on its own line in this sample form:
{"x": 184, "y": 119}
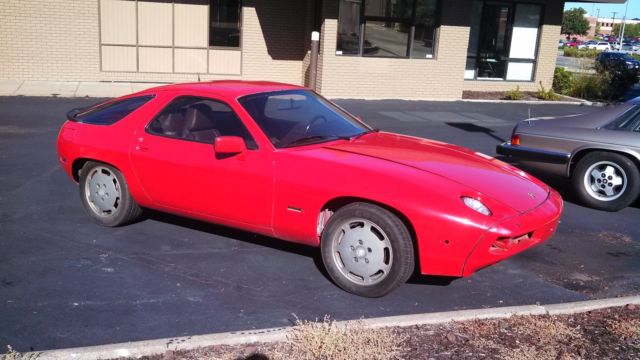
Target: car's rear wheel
{"x": 105, "y": 195}
{"x": 606, "y": 181}
{"x": 367, "y": 250}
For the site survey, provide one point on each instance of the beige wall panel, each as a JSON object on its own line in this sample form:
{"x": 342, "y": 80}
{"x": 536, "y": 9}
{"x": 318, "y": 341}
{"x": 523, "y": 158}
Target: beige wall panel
{"x": 155, "y": 59}
{"x": 118, "y": 58}
{"x": 191, "y": 25}
{"x": 225, "y": 62}
{"x": 155, "y": 23}
{"x": 274, "y": 39}
{"x": 191, "y": 61}
{"x": 118, "y": 22}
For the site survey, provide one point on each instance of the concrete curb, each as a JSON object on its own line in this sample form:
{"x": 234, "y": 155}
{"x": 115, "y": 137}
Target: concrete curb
{"x": 150, "y": 347}
{"x": 531, "y": 102}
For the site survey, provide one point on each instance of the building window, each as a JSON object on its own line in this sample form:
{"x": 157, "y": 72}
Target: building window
{"x": 171, "y": 36}
{"x": 503, "y": 41}
{"x": 388, "y": 28}
{"x": 224, "y": 23}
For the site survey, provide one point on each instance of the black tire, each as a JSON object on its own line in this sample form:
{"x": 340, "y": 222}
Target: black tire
{"x": 123, "y": 210}
{"x": 396, "y": 249}
{"x": 624, "y": 168}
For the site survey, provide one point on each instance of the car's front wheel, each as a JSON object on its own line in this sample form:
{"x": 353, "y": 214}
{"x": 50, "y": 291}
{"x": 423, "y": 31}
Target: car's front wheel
{"x": 367, "y": 250}
{"x": 105, "y": 195}
{"x": 606, "y": 181}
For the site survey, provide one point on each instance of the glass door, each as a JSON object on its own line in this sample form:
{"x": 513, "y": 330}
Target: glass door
{"x": 493, "y": 46}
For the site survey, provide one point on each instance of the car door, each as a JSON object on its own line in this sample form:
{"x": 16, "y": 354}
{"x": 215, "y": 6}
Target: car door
{"x": 174, "y": 159}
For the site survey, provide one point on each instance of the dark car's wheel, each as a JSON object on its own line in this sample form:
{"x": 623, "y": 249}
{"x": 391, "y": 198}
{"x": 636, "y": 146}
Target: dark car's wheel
{"x": 606, "y": 181}
{"x": 105, "y": 195}
{"x": 367, "y": 250}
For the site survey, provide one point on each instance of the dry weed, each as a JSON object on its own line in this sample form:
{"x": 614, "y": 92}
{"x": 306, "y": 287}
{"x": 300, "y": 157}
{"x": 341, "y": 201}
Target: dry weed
{"x": 527, "y": 352}
{"x": 546, "y": 330}
{"x": 14, "y": 355}
{"x": 326, "y": 340}
{"x": 625, "y": 328}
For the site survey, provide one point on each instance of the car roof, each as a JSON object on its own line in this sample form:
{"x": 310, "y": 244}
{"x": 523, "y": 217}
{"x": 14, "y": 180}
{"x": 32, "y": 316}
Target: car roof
{"x": 226, "y": 88}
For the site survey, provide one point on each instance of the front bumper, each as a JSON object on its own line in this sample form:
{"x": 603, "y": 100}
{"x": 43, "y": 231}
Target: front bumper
{"x": 516, "y": 234}
{"x": 524, "y": 153}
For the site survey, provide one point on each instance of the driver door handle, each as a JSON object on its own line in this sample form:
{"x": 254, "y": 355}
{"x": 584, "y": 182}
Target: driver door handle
{"x": 141, "y": 146}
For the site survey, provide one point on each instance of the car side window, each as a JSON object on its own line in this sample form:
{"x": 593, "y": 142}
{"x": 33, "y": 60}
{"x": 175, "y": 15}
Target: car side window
{"x": 199, "y": 119}
{"x": 111, "y": 112}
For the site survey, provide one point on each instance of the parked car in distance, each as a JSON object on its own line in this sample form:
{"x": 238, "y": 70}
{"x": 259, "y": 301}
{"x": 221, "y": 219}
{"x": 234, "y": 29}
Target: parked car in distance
{"x": 600, "y": 45}
{"x": 282, "y": 161}
{"x": 574, "y": 43}
{"x": 628, "y": 46}
{"x": 608, "y": 60}
{"x": 599, "y": 153}
{"x": 561, "y": 44}
{"x": 585, "y": 45}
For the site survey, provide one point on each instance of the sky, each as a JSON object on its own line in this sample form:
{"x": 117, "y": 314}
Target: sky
{"x": 607, "y": 9}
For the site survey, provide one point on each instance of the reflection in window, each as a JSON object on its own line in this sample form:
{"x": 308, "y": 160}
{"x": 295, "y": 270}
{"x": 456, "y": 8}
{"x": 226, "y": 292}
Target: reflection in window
{"x": 388, "y": 39}
{"x": 389, "y": 8}
{"x": 502, "y": 41}
{"x": 349, "y": 27}
{"x": 392, "y": 28}
{"x": 224, "y": 23}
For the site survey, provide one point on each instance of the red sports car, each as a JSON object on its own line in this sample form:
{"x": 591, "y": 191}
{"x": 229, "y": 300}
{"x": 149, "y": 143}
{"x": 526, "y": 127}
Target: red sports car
{"x": 282, "y": 161}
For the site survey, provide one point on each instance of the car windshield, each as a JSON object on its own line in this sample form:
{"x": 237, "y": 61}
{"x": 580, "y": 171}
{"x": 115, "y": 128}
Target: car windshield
{"x": 300, "y": 117}
{"x": 628, "y": 120}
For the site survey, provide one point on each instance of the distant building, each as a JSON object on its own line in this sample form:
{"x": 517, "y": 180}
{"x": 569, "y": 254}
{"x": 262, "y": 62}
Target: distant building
{"x": 607, "y": 24}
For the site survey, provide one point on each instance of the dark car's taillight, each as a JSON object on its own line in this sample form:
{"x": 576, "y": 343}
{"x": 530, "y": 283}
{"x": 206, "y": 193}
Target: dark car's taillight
{"x": 515, "y": 139}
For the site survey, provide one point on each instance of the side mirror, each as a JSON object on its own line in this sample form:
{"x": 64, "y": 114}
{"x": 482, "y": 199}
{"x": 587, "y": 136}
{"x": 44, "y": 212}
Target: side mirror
{"x": 229, "y": 145}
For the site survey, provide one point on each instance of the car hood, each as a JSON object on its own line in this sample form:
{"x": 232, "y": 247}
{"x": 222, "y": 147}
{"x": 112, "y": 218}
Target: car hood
{"x": 591, "y": 120}
{"x": 477, "y": 171}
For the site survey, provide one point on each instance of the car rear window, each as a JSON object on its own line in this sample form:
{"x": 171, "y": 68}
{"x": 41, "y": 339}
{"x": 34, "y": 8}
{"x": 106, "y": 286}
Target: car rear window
{"x": 628, "y": 120}
{"x": 111, "y": 112}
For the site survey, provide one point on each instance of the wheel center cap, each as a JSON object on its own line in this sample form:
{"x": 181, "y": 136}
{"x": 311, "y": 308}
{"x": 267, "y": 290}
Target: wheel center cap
{"x": 360, "y": 252}
{"x": 101, "y": 192}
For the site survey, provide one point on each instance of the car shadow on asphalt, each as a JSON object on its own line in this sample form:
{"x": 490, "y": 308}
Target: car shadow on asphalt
{"x": 473, "y": 128}
{"x": 240, "y": 235}
{"x": 276, "y": 244}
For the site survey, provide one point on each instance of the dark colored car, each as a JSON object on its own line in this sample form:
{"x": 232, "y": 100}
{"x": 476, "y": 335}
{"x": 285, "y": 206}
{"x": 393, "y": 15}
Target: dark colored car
{"x": 599, "y": 152}
{"x": 611, "y": 59}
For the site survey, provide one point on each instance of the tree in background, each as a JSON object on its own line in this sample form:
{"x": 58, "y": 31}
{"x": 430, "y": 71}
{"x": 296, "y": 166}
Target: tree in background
{"x": 574, "y": 22}
{"x": 630, "y": 30}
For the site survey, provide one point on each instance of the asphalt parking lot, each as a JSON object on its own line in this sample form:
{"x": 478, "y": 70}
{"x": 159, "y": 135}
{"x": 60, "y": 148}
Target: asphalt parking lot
{"x": 66, "y": 282}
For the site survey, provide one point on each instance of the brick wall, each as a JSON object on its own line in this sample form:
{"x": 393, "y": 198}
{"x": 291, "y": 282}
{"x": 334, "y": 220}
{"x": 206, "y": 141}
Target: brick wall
{"x": 363, "y": 77}
{"x": 49, "y": 40}
{"x": 441, "y": 78}
{"x": 59, "y": 40}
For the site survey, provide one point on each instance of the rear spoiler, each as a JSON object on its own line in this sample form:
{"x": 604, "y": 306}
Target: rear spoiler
{"x": 71, "y": 115}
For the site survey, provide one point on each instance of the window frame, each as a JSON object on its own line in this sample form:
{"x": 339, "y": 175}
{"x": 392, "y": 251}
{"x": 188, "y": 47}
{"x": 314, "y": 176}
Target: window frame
{"x": 513, "y": 5}
{"x": 137, "y": 45}
{"x": 147, "y": 128}
{"x": 411, "y": 22}
{"x": 221, "y": 47}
